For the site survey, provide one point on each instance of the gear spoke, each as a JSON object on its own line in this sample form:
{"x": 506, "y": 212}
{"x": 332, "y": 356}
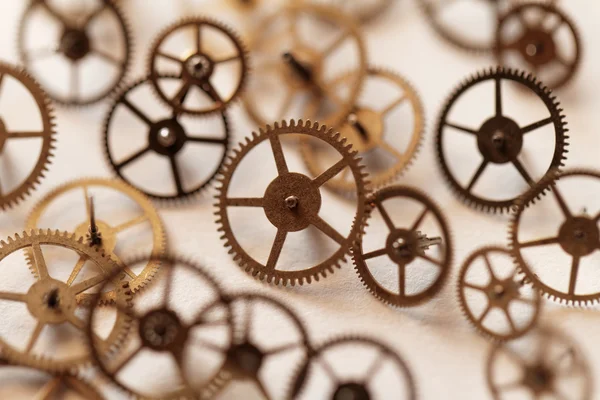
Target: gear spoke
{"x": 511, "y": 323}
{"x": 176, "y": 175}
{"x": 574, "y": 273}
{"x": 328, "y": 230}
{"x": 132, "y": 158}
{"x": 539, "y": 242}
{"x": 385, "y": 216}
{"x": 488, "y": 265}
{"x": 485, "y": 313}
{"x": 187, "y": 388}
{"x": 245, "y": 202}
{"x": 394, "y": 104}
{"x": 261, "y": 388}
{"x": 475, "y": 287}
{"x": 50, "y": 389}
{"x": 40, "y": 263}
{"x": 34, "y": 336}
{"x": 108, "y": 57}
{"x": 336, "y": 43}
{"x": 277, "y": 149}
{"x": 392, "y": 150}
{"x": 74, "y": 82}
{"x": 40, "y": 53}
{"x": 10, "y": 296}
{"x": 136, "y": 111}
{"x": 181, "y": 94}
{"x": 212, "y": 92}
{"x": 207, "y": 140}
{"x": 431, "y": 260}
{"x": 498, "y": 100}
{"x": 50, "y": 10}
{"x": 127, "y": 359}
{"x": 88, "y": 283}
{"x": 330, "y": 173}
{"x": 523, "y": 172}
{"x": 536, "y": 125}
{"x": 375, "y": 253}
{"x": 169, "y": 57}
{"x": 402, "y": 279}
{"x": 376, "y": 364}
{"x": 132, "y": 222}
{"x": 77, "y": 269}
{"x": 328, "y": 370}
{"x": 276, "y": 249}
{"x": 227, "y": 59}
{"x": 561, "y": 202}
{"x": 198, "y": 37}
{"x": 461, "y": 128}
{"x": 99, "y": 10}
{"x": 281, "y": 349}
{"x": 248, "y": 320}
{"x": 209, "y": 345}
{"x": 26, "y": 134}
{"x": 477, "y": 175}
{"x": 420, "y": 219}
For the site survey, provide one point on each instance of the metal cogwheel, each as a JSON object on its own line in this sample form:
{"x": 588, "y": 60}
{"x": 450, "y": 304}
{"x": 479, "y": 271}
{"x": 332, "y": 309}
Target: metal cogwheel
{"x": 292, "y": 202}
{"x": 364, "y": 11}
{"x": 77, "y": 44}
{"x": 500, "y": 139}
{"x": 46, "y": 134}
{"x": 52, "y": 302}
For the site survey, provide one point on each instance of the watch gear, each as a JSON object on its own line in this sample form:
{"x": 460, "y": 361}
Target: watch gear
{"x": 197, "y": 67}
{"x": 291, "y": 202}
{"x": 52, "y": 302}
{"x": 506, "y": 298}
{"x": 167, "y": 138}
{"x": 365, "y": 127}
{"x": 78, "y": 43}
{"x": 499, "y": 139}
{"x": 105, "y": 235}
{"x": 405, "y": 244}
{"x": 46, "y": 134}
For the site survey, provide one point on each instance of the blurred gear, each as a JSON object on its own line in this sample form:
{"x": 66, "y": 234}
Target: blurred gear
{"x": 77, "y": 44}
{"x": 403, "y": 246}
{"x": 364, "y": 11}
{"x": 292, "y": 202}
{"x": 500, "y": 139}
{"x": 46, "y": 134}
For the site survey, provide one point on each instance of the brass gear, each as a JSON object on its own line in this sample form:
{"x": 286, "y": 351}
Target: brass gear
{"x": 365, "y": 128}
{"x": 52, "y": 302}
{"x": 364, "y": 11}
{"x": 108, "y": 231}
{"x": 46, "y": 134}
{"x": 291, "y": 202}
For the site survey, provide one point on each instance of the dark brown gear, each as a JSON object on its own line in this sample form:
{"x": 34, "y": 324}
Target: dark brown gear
{"x": 500, "y": 139}
{"x": 167, "y": 137}
{"x": 76, "y": 44}
{"x": 358, "y": 386}
{"x": 502, "y": 291}
{"x": 537, "y": 45}
{"x": 403, "y": 246}
{"x": 292, "y": 202}
{"x": 578, "y": 237}
{"x": 197, "y": 67}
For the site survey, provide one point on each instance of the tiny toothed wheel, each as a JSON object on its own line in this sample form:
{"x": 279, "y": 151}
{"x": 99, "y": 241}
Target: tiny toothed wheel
{"x": 500, "y": 140}
{"x": 198, "y": 67}
{"x": 503, "y": 292}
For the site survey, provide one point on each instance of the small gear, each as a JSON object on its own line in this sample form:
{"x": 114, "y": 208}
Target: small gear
{"x": 77, "y": 44}
{"x": 291, "y": 202}
{"x": 167, "y": 137}
{"x": 198, "y": 66}
{"x": 364, "y": 11}
{"x": 45, "y": 134}
{"x": 403, "y": 246}
{"x": 106, "y": 233}
{"x": 499, "y": 139}
{"x": 365, "y": 127}
{"x": 503, "y": 292}
{"x": 52, "y": 302}
{"x": 577, "y": 236}
{"x": 360, "y": 384}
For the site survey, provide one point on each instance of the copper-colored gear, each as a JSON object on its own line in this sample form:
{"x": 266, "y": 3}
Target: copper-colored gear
{"x": 553, "y": 365}
{"x": 53, "y": 302}
{"x": 359, "y": 384}
{"x": 578, "y": 237}
{"x": 197, "y": 66}
{"x": 46, "y": 133}
{"x": 403, "y": 246}
{"x": 538, "y": 45}
{"x": 500, "y": 139}
{"x": 107, "y": 231}
{"x": 299, "y": 66}
{"x": 167, "y": 137}
{"x": 77, "y": 44}
{"x": 502, "y": 291}
{"x": 365, "y": 11}
{"x": 292, "y": 202}
{"x": 366, "y": 129}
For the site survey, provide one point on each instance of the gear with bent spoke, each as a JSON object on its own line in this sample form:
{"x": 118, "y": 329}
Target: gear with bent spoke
{"x": 403, "y": 246}
{"x": 292, "y": 202}
{"x": 500, "y": 139}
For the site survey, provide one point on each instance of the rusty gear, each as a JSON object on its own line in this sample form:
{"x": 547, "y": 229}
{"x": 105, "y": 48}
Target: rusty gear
{"x": 291, "y": 202}
{"x": 500, "y": 139}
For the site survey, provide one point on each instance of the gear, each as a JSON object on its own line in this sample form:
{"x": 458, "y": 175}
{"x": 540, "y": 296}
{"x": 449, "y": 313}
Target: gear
{"x": 503, "y": 292}
{"x": 198, "y": 66}
{"x": 554, "y": 368}
{"x": 363, "y": 11}
{"x": 577, "y": 236}
{"x": 500, "y": 139}
{"x": 166, "y": 138}
{"x": 77, "y": 44}
{"x": 297, "y": 70}
{"x": 538, "y": 45}
{"x": 291, "y": 202}
{"x": 107, "y": 233}
{"x": 52, "y": 302}
{"x": 403, "y": 246}
{"x": 359, "y": 385}
{"x": 46, "y": 134}
{"x": 365, "y": 128}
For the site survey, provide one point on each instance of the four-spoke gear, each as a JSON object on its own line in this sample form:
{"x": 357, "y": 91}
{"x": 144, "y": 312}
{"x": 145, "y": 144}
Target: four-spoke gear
{"x": 578, "y": 237}
{"x": 292, "y": 202}
{"x": 167, "y": 137}
{"x": 358, "y": 386}
{"x": 502, "y": 292}
{"x": 77, "y": 43}
{"x": 403, "y": 246}
{"x": 500, "y": 139}
{"x": 45, "y": 134}
{"x": 198, "y": 66}
{"x": 539, "y": 45}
